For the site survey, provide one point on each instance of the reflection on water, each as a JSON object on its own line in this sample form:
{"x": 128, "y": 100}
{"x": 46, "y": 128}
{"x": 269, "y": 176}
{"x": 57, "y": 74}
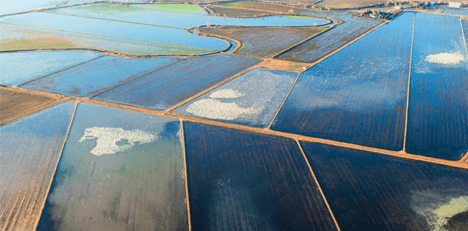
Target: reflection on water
{"x": 140, "y": 185}
{"x": 358, "y": 95}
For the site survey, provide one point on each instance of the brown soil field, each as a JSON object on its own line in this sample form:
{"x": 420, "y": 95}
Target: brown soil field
{"x": 282, "y": 65}
{"x": 265, "y": 41}
{"x": 28, "y": 39}
{"x": 15, "y": 104}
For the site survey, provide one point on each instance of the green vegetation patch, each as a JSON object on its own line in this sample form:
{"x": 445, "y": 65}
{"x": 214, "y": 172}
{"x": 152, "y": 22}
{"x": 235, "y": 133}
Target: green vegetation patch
{"x": 234, "y": 4}
{"x": 46, "y": 43}
{"x": 180, "y": 7}
{"x": 299, "y": 17}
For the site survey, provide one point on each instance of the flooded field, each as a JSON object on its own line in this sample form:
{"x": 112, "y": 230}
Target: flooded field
{"x": 29, "y": 152}
{"x": 14, "y": 37}
{"x": 228, "y": 116}
{"x": 179, "y": 19}
{"x": 265, "y": 41}
{"x": 361, "y": 88}
{"x": 241, "y": 181}
{"x": 15, "y": 104}
{"x": 438, "y": 106}
{"x": 168, "y": 86}
{"x": 129, "y": 31}
{"x": 119, "y": 170}
{"x": 94, "y": 77}
{"x": 165, "y": 26}
{"x": 369, "y": 191}
{"x": 18, "y": 68}
{"x": 250, "y": 99}
{"x": 457, "y": 12}
{"x": 331, "y": 40}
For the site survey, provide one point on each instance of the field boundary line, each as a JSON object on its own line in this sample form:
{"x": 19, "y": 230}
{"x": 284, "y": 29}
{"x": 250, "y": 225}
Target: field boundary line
{"x": 318, "y": 184}
{"x": 405, "y": 134}
{"x": 345, "y": 45}
{"x": 465, "y": 157}
{"x": 57, "y": 99}
{"x": 266, "y": 131}
{"x": 186, "y": 174}
{"x": 302, "y": 42}
{"x": 63, "y": 69}
{"x": 210, "y": 88}
{"x": 36, "y": 223}
{"x": 463, "y": 36}
{"x": 284, "y": 101}
{"x": 135, "y": 78}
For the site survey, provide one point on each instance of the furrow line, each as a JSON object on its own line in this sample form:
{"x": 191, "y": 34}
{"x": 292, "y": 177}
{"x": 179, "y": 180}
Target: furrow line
{"x": 408, "y": 87}
{"x": 318, "y": 185}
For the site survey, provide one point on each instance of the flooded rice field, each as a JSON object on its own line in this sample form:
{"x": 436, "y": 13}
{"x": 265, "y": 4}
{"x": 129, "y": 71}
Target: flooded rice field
{"x": 456, "y": 12}
{"x": 18, "y": 68}
{"x": 13, "y": 37}
{"x": 266, "y": 42}
{"x": 115, "y": 29}
{"x": 169, "y": 86}
{"x": 438, "y": 107}
{"x": 164, "y": 26}
{"x": 94, "y": 77}
{"x": 228, "y": 141}
{"x": 242, "y": 181}
{"x": 29, "y": 152}
{"x": 250, "y": 99}
{"x": 360, "y": 88}
{"x": 368, "y": 191}
{"x": 316, "y": 48}
{"x": 119, "y": 170}
{"x": 179, "y": 19}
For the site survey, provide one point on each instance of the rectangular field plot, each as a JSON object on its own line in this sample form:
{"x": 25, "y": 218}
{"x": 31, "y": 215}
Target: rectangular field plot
{"x": 369, "y": 191}
{"x": 456, "y": 12}
{"x": 170, "y": 85}
{"x": 358, "y": 95}
{"x": 15, "y": 104}
{"x": 96, "y": 76}
{"x": 265, "y": 41}
{"x": 20, "y": 67}
{"x": 316, "y": 48}
{"x": 242, "y": 181}
{"x": 120, "y": 170}
{"x": 438, "y": 106}
{"x": 29, "y": 152}
{"x": 250, "y": 99}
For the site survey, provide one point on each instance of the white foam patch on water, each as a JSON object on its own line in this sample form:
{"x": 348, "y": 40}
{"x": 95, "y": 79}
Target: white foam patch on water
{"x": 446, "y": 58}
{"x": 107, "y": 139}
{"x": 226, "y": 94}
{"x": 214, "y": 109}
{"x": 439, "y": 212}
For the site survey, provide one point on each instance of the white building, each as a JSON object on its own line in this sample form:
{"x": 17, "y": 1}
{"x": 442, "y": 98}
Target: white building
{"x": 454, "y": 5}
